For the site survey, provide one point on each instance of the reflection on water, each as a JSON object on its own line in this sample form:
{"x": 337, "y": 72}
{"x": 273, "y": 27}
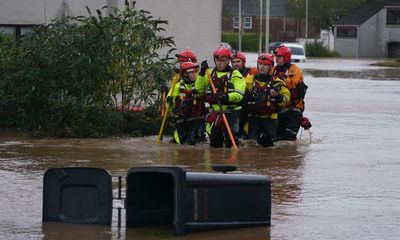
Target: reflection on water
{"x": 342, "y": 185}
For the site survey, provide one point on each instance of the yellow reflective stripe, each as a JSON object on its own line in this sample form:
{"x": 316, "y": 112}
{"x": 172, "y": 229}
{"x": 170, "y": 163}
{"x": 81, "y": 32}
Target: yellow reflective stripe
{"x": 176, "y": 137}
{"x": 239, "y": 91}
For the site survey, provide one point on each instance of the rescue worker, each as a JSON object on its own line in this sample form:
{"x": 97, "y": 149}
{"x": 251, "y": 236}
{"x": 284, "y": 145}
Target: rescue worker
{"x": 188, "y": 107}
{"x": 266, "y": 95}
{"x": 290, "y": 118}
{"x": 183, "y": 56}
{"x": 230, "y": 87}
{"x": 239, "y": 63}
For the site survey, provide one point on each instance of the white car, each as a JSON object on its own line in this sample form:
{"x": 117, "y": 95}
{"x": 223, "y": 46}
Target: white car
{"x": 298, "y": 53}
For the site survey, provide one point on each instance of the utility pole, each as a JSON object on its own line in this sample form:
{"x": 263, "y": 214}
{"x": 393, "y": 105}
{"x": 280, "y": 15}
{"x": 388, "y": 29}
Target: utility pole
{"x": 45, "y": 11}
{"x": 306, "y": 22}
{"x": 260, "y": 38}
{"x": 240, "y": 26}
{"x": 267, "y": 25}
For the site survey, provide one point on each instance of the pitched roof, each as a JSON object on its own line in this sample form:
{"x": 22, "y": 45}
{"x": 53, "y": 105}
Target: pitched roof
{"x": 278, "y": 8}
{"x": 365, "y": 11}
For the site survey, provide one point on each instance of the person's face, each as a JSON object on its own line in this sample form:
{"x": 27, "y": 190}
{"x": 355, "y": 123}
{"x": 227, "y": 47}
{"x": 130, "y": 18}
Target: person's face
{"x": 221, "y": 63}
{"x": 263, "y": 68}
{"x": 237, "y": 64}
{"x": 279, "y": 60}
{"x": 191, "y": 74}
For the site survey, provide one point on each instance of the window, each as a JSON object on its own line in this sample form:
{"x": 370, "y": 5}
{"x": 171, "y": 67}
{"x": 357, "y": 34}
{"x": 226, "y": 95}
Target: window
{"x": 296, "y": 51}
{"x": 248, "y": 22}
{"x": 235, "y": 22}
{"x": 346, "y": 32}
{"x": 16, "y": 30}
{"x": 7, "y": 29}
{"x": 393, "y": 16}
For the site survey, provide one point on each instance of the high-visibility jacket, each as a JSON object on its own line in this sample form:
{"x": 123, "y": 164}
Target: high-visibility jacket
{"x": 260, "y": 103}
{"x": 293, "y": 78}
{"x": 230, "y": 82}
{"x": 186, "y": 102}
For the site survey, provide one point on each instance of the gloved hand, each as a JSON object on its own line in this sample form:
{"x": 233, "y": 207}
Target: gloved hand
{"x": 203, "y": 68}
{"x": 221, "y": 97}
{"x": 169, "y": 99}
{"x": 255, "y": 94}
{"x": 273, "y": 92}
{"x": 278, "y": 98}
{"x": 215, "y": 118}
{"x": 305, "y": 123}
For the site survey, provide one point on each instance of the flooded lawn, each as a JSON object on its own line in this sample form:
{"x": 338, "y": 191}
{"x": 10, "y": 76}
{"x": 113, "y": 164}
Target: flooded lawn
{"x": 342, "y": 183}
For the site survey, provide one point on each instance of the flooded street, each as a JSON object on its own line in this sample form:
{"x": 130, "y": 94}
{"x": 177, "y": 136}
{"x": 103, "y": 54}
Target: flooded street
{"x": 342, "y": 183}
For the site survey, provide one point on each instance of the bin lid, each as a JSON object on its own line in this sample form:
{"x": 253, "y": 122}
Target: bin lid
{"x": 77, "y": 195}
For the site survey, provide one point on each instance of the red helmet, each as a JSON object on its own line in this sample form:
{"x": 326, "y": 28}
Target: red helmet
{"x": 284, "y": 51}
{"x": 266, "y": 58}
{"x": 186, "y": 55}
{"x": 240, "y": 56}
{"x": 222, "y": 52}
{"x": 188, "y": 65}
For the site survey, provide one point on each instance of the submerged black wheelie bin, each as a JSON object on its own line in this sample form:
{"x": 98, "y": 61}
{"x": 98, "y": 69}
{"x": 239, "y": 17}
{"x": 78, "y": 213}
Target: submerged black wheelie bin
{"x": 193, "y": 201}
{"x": 77, "y": 195}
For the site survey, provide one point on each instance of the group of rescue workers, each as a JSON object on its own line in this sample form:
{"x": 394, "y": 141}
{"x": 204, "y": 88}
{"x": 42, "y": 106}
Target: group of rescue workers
{"x": 264, "y": 103}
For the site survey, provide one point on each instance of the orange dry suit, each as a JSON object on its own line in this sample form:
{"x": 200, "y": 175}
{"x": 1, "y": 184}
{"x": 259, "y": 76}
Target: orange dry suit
{"x": 290, "y": 118}
{"x": 293, "y": 78}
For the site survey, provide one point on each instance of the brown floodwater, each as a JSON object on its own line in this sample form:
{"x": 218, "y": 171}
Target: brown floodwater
{"x": 343, "y": 182}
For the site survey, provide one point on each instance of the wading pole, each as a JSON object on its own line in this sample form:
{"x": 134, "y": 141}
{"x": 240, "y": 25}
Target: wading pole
{"x": 160, "y": 133}
{"x": 234, "y": 146}
{"x": 164, "y": 96}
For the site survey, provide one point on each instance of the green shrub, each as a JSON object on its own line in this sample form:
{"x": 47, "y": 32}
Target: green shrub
{"x": 68, "y": 77}
{"x": 249, "y": 41}
{"x": 317, "y": 49}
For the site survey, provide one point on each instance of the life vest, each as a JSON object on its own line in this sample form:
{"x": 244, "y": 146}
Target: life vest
{"x": 260, "y": 100}
{"x": 222, "y": 84}
{"x": 293, "y": 78}
{"x": 188, "y": 104}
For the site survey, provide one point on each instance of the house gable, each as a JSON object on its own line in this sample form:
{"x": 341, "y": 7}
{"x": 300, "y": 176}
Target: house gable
{"x": 371, "y": 30}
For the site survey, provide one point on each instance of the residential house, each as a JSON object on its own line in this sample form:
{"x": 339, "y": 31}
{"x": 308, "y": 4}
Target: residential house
{"x": 371, "y": 30}
{"x": 187, "y": 22}
{"x": 282, "y": 26}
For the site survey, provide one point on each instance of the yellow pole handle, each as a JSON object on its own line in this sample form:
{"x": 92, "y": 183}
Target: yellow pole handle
{"x": 160, "y": 133}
